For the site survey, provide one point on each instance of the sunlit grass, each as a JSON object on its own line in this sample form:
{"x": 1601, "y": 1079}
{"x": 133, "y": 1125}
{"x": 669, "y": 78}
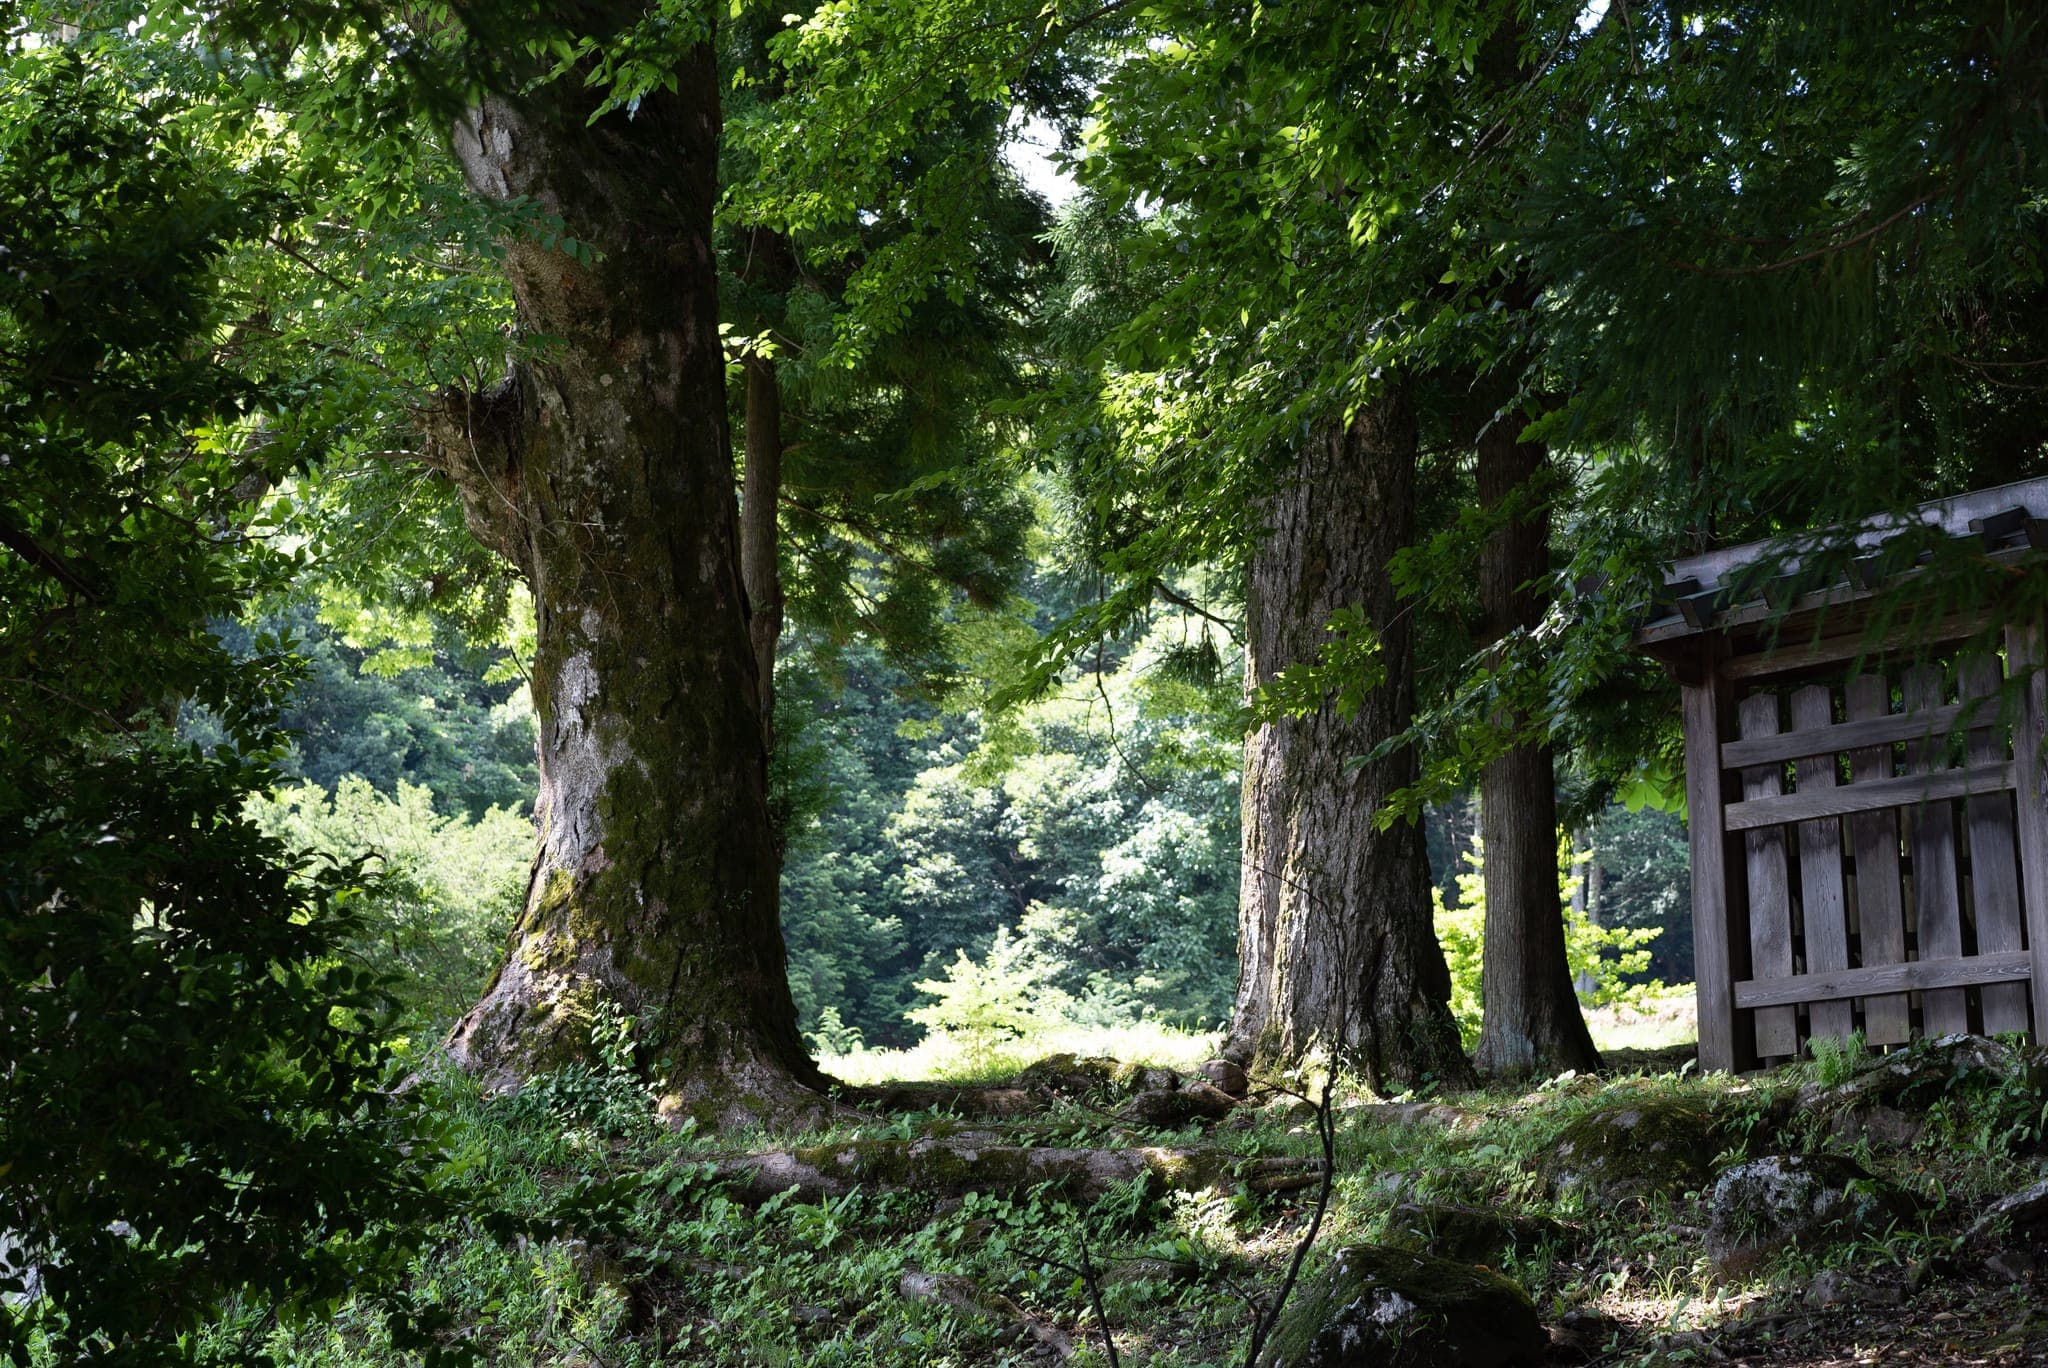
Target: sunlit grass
{"x": 1669, "y": 1018}
{"x": 1657, "y": 1023}
{"x": 952, "y": 1059}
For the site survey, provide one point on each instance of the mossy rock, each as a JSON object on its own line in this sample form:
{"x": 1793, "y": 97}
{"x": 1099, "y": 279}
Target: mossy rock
{"x": 1377, "y": 1307}
{"x": 1468, "y": 1234}
{"x": 1642, "y": 1147}
{"x": 1763, "y": 1205}
{"x": 1078, "y": 1077}
{"x": 1927, "y": 1069}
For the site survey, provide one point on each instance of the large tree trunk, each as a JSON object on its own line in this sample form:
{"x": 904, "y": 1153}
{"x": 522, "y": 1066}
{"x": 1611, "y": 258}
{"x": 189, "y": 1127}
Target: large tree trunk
{"x": 1530, "y": 1015}
{"x": 603, "y": 470}
{"x": 1334, "y": 937}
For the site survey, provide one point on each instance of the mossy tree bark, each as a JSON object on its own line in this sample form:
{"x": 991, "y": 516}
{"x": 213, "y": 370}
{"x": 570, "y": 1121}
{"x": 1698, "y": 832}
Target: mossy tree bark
{"x": 602, "y": 468}
{"x": 1530, "y": 1020}
{"x": 1335, "y": 944}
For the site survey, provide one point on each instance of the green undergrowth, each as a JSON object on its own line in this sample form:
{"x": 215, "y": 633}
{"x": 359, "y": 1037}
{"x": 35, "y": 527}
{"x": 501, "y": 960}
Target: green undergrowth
{"x": 598, "y": 1237}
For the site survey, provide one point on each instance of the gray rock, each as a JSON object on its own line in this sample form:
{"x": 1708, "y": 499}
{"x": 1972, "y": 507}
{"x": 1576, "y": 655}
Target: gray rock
{"x": 1228, "y": 1076}
{"x": 1885, "y": 1127}
{"x": 2018, "y": 1218}
{"x": 1759, "y": 1207}
{"x": 1920, "y": 1072}
{"x": 2013, "y": 1265}
{"x": 1833, "y": 1287}
{"x": 1375, "y": 1307}
{"x": 1582, "y": 1335}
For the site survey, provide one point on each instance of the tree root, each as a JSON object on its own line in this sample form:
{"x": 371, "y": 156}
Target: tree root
{"x": 982, "y": 1163}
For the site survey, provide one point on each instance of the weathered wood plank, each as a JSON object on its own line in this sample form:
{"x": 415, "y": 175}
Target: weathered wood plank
{"x": 1880, "y": 905}
{"x": 2026, "y": 657}
{"x": 1929, "y": 787}
{"x": 1770, "y": 887}
{"x": 1994, "y": 861}
{"x": 1809, "y": 655}
{"x": 1823, "y": 908}
{"x": 1928, "y": 976}
{"x": 1802, "y": 742}
{"x": 1721, "y": 945}
{"x": 1936, "y": 893}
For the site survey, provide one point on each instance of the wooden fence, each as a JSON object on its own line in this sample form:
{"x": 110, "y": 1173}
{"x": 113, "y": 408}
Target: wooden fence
{"x": 1869, "y": 823}
{"x": 1868, "y": 868}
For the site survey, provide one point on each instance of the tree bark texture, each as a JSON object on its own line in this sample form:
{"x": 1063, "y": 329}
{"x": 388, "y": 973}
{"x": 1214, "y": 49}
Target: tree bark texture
{"x": 1335, "y": 944}
{"x": 766, "y": 274}
{"x": 602, "y": 468}
{"x": 1530, "y": 1020}
{"x": 760, "y": 543}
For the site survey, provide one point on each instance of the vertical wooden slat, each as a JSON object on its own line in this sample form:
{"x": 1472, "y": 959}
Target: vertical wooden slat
{"x": 2026, "y": 656}
{"x": 1770, "y": 886}
{"x": 1823, "y": 906}
{"x": 1994, "y": 863}
{"x": 1880, "y": 907}
{"x": 1720, "y": 936}
{"x": 1943, "y": 1011}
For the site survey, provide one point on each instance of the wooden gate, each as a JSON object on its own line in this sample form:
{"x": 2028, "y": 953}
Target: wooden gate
{"x": 1868, "y": 822}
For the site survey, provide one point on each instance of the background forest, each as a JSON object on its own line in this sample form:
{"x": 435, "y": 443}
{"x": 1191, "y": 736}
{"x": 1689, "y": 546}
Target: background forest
{"x": 1100, "y": 826}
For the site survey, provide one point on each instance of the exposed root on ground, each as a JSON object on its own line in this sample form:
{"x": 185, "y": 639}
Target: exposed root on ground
{"x": 985, "y": 1163}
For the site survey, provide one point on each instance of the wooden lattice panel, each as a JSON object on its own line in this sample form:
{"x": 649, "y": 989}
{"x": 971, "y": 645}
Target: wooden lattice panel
{"x": 1872, "y": 851}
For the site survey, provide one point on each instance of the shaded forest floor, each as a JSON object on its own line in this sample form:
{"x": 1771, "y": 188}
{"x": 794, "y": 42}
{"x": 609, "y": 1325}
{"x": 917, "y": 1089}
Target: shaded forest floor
{"x": 1598, "y": 1195}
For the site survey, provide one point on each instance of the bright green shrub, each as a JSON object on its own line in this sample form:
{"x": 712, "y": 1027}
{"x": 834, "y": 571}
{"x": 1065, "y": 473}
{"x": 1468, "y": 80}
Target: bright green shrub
{"x": 449, "y": 886}
{"x": 1608, "y": 957}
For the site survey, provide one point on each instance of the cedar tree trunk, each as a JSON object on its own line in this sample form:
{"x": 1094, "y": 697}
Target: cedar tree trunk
{"x": 601, "y": 467}
{"x": 768, "y": 269}
{"x": 1530, "y": 1019}
{"x": 1335, "y": 943}
{"x": 760, "y": 566}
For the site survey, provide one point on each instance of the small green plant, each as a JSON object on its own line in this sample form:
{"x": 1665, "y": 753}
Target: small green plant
{"x": 834, "y": 1036}
{"x": 1836, "y": 1061}
{"x": 1607, "y": 957}
{"x": 1006, "y": 997}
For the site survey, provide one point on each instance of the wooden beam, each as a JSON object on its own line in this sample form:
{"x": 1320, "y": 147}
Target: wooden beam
{"x": 1719, "y": 899}
{"x": 1952, "y": 515}
{"x": 1767, "y": 871}
{"x": 2026, "y": 658}
{"x": 1906, "y": 790}
{"x": 1833, "y": 650}
{"x": 1823, "y": 897}
{"x": 1880, "y": 891}
{"x": 1915, "y": 976}
{"x": 1994, "y": 863}
{"x": 1937, "y": 882}
{"x": 1844, "y": 736}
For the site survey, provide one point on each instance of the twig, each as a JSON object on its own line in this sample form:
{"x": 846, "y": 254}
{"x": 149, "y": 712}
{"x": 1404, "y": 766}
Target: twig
{"x": 1094, "y": 1286}
{"x": 1180, "y": 600}
{"x": 1326, "y": 1133}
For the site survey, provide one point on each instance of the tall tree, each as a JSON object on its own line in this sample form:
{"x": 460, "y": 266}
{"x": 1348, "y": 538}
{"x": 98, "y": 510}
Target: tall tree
{"x": 1530, "y": 1018}
{"x": 194, "y": 1110}
{"x": 1334, "y": 940}
{"x": 602, "y": 471}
